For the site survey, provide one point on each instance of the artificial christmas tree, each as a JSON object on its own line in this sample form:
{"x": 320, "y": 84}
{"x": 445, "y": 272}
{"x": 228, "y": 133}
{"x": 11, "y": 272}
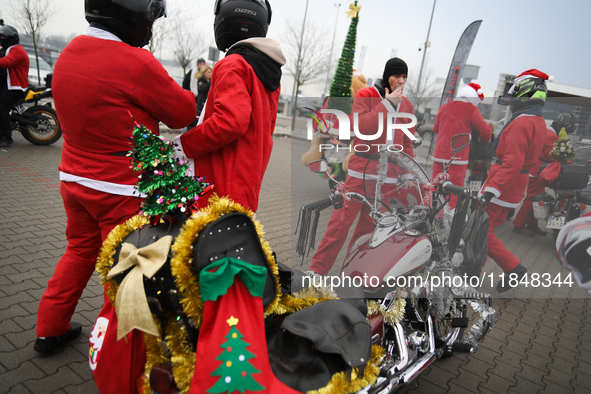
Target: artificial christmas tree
{"x": 165, "y": 178}
{"x": 340, "y": 89}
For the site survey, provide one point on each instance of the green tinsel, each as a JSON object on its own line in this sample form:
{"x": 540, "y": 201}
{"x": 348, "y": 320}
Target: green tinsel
{"x": 165, "y": 178}
{"x": 340, "y": 89}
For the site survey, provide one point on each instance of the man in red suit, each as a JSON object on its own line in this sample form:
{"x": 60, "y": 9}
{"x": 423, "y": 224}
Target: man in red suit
{"x": 371, "y": 104}
{"x": 525, "y": 223}
{"x": 14, "y": 82}
{"x": 231, "y": 146}
{"x": 458, "y": 117}
{"x": 520, "y": 145}
{"x": 99, "y": 79}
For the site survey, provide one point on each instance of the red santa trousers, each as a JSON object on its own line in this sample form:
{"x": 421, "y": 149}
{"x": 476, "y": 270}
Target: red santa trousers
{"x": 525, "y": 215}
{"x": 91, "y": 216}
{"x": 457, "y": 176}
{"x": 341, "y": 220}
{"x": 496, "y": 249}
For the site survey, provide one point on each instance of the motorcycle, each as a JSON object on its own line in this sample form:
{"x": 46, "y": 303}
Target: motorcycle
{"x": 571, "y": 199}
{"x": 37, "y": 122}
{"x": 427, "y": 322}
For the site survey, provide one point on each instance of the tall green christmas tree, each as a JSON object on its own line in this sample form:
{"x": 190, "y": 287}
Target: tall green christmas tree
{"x": 165, "y": 178}
{"x": 236, "y": 371}
{"x": 340, "y": 89}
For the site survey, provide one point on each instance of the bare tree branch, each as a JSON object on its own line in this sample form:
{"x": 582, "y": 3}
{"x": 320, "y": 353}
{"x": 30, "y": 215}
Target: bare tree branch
{"x": 314, "y": 56}
{"x": 31, "y": 16}
{"x": 427, "y": 92}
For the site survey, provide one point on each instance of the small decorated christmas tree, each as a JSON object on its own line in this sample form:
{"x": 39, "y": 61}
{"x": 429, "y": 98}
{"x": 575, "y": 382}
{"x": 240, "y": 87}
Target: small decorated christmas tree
{"x": 236, "y": 371}
{"x": 341, "y": 84}
{"x": 165, "y": 178}
{"x": 563, "y": 149}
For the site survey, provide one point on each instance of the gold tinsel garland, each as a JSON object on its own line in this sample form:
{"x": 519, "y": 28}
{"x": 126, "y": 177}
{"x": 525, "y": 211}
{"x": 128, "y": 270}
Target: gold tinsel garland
{"x": 341, "y": 384}
{"x": 106, "y": 255}
{"x": 391, "y": 316}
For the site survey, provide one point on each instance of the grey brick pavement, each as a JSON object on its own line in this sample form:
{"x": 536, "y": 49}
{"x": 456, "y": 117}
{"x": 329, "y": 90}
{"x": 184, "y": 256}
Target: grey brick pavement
{"x": 539, "y": 344}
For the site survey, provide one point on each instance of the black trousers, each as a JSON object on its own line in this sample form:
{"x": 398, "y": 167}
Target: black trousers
{"x": 7, "y": 100}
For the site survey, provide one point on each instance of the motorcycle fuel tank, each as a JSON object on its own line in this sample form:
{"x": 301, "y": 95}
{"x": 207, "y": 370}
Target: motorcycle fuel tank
{"x": 399, "y": 255}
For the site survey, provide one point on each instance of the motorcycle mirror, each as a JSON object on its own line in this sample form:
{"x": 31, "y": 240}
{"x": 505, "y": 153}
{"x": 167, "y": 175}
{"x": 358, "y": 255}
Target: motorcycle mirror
{"x": 460, "y": 141}
{"x": 318, "y": 166}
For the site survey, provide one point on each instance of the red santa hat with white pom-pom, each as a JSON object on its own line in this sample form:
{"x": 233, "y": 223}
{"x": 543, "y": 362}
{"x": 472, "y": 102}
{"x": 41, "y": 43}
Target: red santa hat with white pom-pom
{"x": 471, "y": 90}
{"x": 531, "y": 73}
{"x": 471, "y": 93}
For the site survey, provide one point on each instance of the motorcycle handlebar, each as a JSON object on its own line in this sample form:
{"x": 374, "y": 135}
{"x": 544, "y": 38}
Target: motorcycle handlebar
{"x": 449, "y": 187}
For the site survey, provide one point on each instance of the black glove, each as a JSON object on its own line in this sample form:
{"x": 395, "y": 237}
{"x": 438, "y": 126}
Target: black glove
{"x": 488, "y": 196}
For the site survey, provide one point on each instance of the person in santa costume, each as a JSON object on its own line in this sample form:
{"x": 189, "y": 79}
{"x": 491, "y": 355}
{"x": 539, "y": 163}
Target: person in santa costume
{"x": 15, "y": 79}
{"x": 100, "y": 78}
{"x": 525, "y": 223}
{"x": 458, "y": 117}
{"x": 371, "y": 103}
{"x": 520, "y": 145}
{"x": 231, "y": 145}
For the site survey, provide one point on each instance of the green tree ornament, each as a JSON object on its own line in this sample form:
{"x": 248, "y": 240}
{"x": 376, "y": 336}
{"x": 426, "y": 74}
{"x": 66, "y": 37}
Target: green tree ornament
{"x": 236, "y": 371}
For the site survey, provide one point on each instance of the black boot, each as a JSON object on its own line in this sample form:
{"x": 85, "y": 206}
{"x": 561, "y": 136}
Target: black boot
{"x": 48, "y": 345}
{"x": 503, "y": 285}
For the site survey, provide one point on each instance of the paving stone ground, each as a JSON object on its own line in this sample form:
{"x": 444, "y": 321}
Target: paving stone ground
{"x": 540, "y": 344}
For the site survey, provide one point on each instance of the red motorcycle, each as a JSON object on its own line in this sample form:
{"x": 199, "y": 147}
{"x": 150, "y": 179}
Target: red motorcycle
{"x": 402, "y": 266}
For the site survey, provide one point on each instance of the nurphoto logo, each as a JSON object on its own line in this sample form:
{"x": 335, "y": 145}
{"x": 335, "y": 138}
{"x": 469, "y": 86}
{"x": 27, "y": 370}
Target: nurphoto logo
{"x": 345, "y": 127}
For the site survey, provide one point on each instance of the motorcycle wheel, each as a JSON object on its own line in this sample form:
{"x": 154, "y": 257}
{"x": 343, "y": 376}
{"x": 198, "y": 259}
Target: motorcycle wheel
{"x": 427, "y": 136}
{"x": 48, "y": 128}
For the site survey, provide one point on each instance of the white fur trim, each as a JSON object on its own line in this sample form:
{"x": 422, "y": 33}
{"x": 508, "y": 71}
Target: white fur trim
{"x": 102, "y": 186}
{"x": 100, "y": 33}
{"x": 492, "y": 190}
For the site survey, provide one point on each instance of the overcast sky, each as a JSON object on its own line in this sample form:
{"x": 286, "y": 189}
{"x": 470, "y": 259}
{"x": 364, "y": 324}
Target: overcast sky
{"x": 515, "y": 35}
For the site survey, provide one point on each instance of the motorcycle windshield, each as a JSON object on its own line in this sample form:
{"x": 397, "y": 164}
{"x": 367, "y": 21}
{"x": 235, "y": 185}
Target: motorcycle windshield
{"x": 394, "y": 179}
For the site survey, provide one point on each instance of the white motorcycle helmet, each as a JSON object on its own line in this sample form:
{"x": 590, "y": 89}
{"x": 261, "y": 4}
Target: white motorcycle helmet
{"x": 573, "y": 250}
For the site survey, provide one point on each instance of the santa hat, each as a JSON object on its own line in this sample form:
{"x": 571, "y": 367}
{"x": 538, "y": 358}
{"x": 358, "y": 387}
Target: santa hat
{"x": 531, "y": 73}
{"x": 471, "y": 90}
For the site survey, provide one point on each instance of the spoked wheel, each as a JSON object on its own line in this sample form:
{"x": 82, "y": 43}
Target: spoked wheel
{"x": 48, "y": 128}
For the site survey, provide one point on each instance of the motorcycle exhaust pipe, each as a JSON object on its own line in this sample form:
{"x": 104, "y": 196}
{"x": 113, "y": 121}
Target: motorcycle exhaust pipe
{"x": 413, "y": 371}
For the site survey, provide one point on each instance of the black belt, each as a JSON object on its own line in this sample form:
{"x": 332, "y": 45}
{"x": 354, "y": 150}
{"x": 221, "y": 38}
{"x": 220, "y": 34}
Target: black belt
{"x": 521, "y": 172}
{"x": 367, "y": 156}
{"x": 121, "y": 154}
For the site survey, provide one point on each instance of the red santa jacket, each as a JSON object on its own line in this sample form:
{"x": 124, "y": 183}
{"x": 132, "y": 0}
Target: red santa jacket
{"x": 96, "y": 82}
{"x": 16, "y": 61}
{"x": 545, "y": 157}
{"x": 455, "y": 118}
{"x": 519, "y": 149}
{"x": 370, "y": 106}
{"x": 232, "y": 147}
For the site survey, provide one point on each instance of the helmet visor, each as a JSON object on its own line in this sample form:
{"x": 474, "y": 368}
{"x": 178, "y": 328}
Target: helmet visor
{"x": 155, "y": 10}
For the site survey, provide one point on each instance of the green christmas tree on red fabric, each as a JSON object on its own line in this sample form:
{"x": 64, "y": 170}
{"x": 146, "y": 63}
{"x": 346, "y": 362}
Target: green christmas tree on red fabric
{"x": 165, "y": 178}
{"x": 236, "y": 371}
{"x": 340, "y": 89}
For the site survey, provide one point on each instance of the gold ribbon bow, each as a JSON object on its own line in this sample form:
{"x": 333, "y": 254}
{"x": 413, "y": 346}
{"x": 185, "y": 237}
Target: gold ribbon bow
{"x": 131, "y": 303}
{"x": 354, "y": 10}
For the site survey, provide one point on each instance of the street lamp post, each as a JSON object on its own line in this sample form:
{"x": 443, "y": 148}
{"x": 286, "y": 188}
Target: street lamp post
{"x": 331, "y": 48}
{"x": 424, "y": 54}
{"x": 294, "y": 95}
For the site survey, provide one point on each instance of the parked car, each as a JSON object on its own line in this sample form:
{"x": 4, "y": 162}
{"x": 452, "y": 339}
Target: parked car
{"x": 44, "y": 69}
{"x": 302, "y": 105}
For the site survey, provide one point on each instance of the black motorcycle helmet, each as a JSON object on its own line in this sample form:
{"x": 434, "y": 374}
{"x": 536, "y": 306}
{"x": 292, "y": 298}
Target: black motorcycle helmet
{"x": 130, "y": 20}
{"x": 11, "y": 34}
{"x": 568, "y": 121}
{"x": 237, "y": 20}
